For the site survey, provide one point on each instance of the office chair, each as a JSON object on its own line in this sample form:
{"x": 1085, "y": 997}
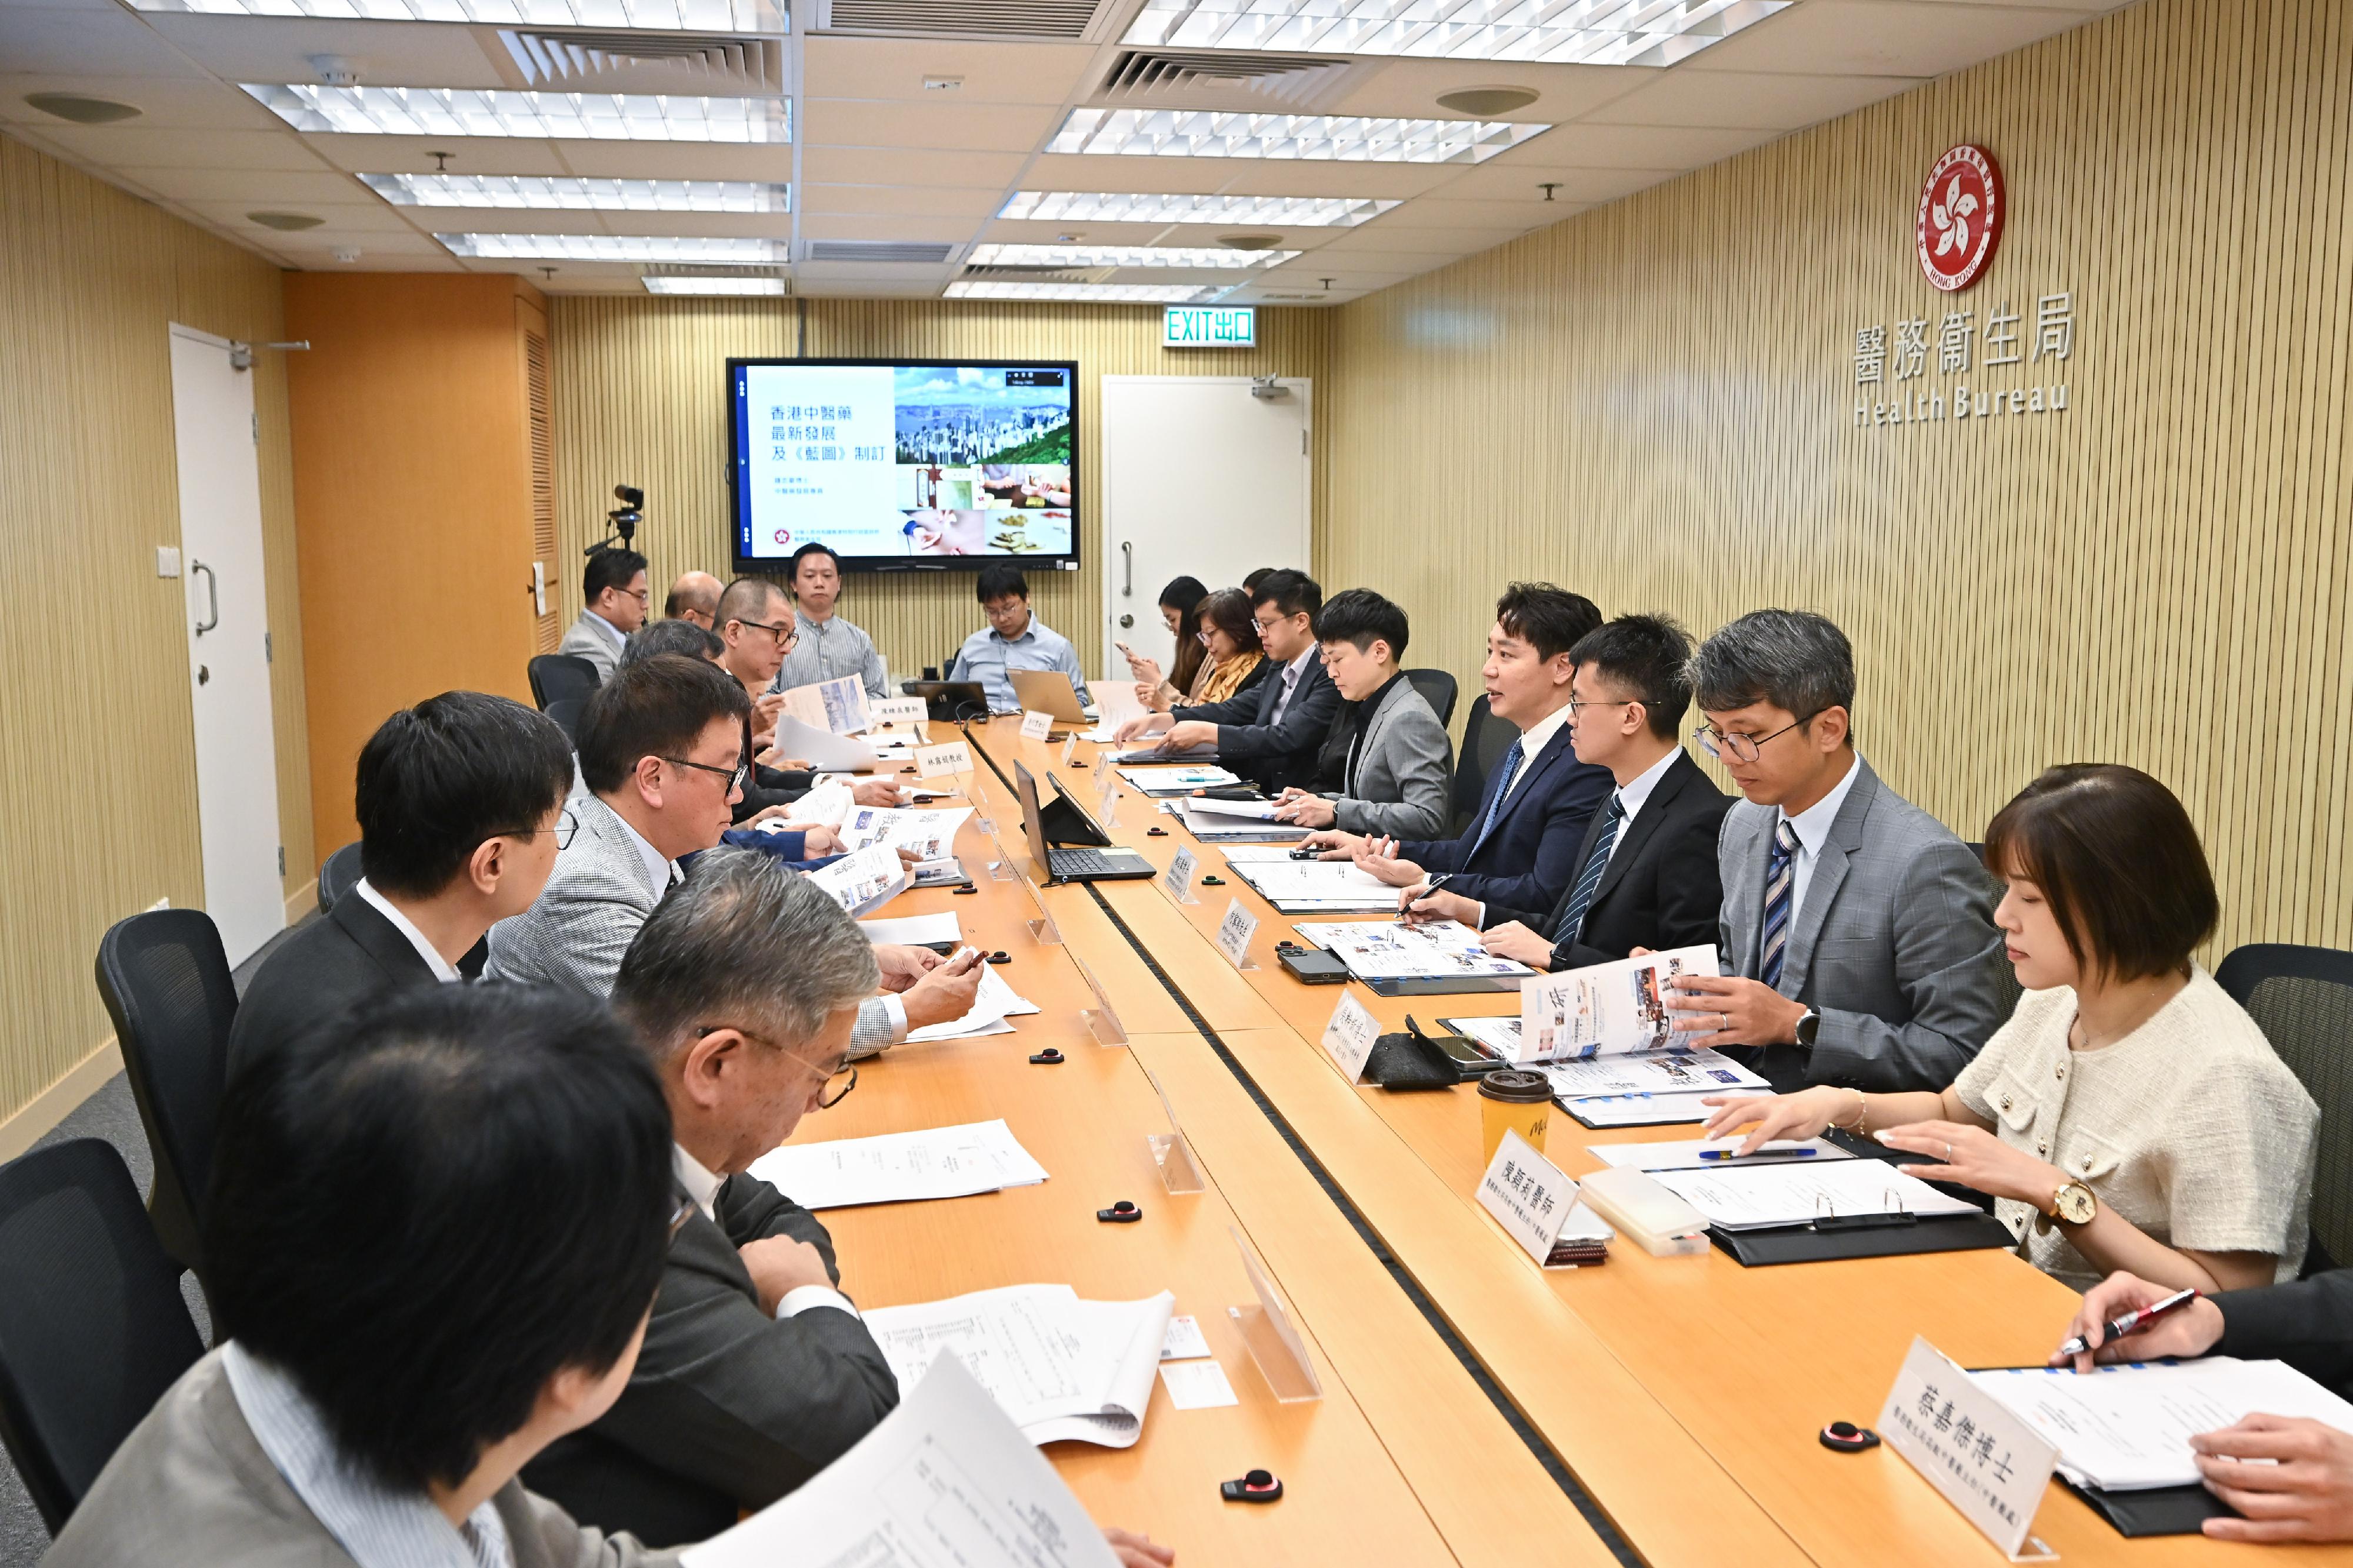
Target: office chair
{"x": 1438, "y": 689}
{"x": 338, "y": 874}
{"x": 2302, "y": 999}
{"x": 92, "y": 1326}
{"x": 556, "y": 675}
{"x": 1485, "y": 739}
{"x": 565, "y": 711}
{"x": 165, "y": 981}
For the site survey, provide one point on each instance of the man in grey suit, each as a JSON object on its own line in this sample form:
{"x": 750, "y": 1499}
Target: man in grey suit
{"x": 756, "y": 1371}
{"x": 1386, "y": 762}
{"x": 1857, "y": 935}
{"x": 436, "y": 1229}
{"x": 618, "y": 596}
{"x": 661, "y": 751}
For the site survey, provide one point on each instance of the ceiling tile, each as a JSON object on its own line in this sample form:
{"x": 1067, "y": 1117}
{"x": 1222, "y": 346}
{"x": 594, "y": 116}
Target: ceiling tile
{"x": 385, "y": 54}
{"x": 666, "y": 161}
{"x": 124, "y": 146}
{"x": 869, "y": 226}
{"x": 1746, "y": 98}
{"x": 110, "y": 43}
{"x": 886, "y": 166}
{"x": 173, "y": 103}
{"x": 254, "y": 187}
{"x": 890, "y": 273}
{"x": 413, "y": 155}
{"x": 975, "y": 127}
{"x": 1508, "y": 181}
{"x": 968, "y": 202}
{"x": 1585, "y": 146}
{"x": 1280, "y": 177}
{"x": 895, "y": 68}
{"x": 1881, "y": 37}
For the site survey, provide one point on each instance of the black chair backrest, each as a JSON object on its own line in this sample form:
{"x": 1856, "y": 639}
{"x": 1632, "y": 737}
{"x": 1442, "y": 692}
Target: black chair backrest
{"x": 93, "y": 1325}
{"x": 556, "y": 675}
{"x": 2302, "y": 999}
{"x": 339, "y": 875}
{"x": 1438, "y": 689}
{"x": 165, "y": 981}
{"x": 1485, "y": 739}
{"x": 566, "y": 714}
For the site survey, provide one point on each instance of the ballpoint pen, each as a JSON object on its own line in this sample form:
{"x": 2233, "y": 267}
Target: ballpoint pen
{"x": 2132, "y": 1322}
{"x": 1415, "y": 902}
{"x": 1760, "y": 1154}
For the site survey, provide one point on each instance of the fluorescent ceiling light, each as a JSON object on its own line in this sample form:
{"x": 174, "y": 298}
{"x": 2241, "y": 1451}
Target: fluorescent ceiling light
{"x": 565, "y": 191}
{"x": 1581, "y": 32}
{"x": 659, "y": 285}
{"x": 614, "y": 248}
{"x": 1097, "y": 293}
{"x": 1243, "y": 212}
{"x": 604, "y": 15}
{"x": 1202, "y": 133}
{"x": 467, "y": 111}
{"x": 1123, "y": 256}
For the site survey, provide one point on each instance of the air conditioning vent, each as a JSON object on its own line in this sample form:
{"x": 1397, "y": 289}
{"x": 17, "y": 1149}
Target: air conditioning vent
{"x": 1037, "y": 273}
{"x": 1055, "y": 19}
{"x": 1292, "y": 298}
{"x": 1175, "y": 77}
{"x": 873, "y": 250}
{"x": 603, "y": 61}
{"x": 694, "y": 269}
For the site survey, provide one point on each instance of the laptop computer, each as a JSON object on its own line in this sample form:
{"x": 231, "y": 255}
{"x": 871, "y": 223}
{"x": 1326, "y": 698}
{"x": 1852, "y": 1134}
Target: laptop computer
{"x": 951, "y": 701}
{"x": 1073, "y": 865}
{"x": 1047, "y": 691}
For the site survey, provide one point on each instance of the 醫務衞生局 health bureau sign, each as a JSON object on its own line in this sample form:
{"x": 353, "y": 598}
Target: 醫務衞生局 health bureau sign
{"x": 1909, "y": 373}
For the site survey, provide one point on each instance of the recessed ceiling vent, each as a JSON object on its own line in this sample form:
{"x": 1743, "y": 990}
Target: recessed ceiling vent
{"x": 697, "y": 63}
{"x": 875, "y": 250}
{"x": 1031, "y": 273}
{"x": 1175, "y": 77}
{"x": 1066, "y": 20}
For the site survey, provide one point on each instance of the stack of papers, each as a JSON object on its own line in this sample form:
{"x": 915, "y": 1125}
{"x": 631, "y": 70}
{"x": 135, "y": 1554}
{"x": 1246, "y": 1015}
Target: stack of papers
{"x": 914, "y": 930}
{"x": 929, "y": 834}
{"x": 1183, "y": 779}
{"x": 1061, "y": 1369}
{"x": 1701, "y": 1071}
{"x": 865, "y": 880}
{"x": 1383, "y": 950}
{"x": 900, "y": 1167}
{"x": 991, "y": 1006}
{"x": 1254, "y": 821}
{"x": 1766, "y": 1198}
{"x": 1312, "y": 886}
{"x": 2127, "y": 1428}
{"x": 822, "y": 748}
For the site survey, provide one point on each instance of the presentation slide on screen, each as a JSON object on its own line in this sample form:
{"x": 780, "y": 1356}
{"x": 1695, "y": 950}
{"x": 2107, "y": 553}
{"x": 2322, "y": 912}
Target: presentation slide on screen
{"x": 887, "y": 461}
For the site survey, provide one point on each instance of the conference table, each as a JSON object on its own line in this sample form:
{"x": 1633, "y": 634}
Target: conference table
{"x": 1474, "y": 1407}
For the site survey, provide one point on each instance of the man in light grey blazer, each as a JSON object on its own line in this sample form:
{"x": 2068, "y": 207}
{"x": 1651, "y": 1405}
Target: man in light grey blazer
{"x": 618, "y": 596}
{"x": 1386, "y": 763}
{"x": 661, "y": 751}
{"x": 1857, "y": 936}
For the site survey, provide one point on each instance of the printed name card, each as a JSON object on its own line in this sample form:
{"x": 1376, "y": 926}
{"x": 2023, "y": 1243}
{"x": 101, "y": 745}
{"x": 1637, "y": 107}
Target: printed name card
{"x": 1234, "y": 933}
{"x": 936, "y": 762}
{"x": 1349, "y": 1039}
{"x": 1988, "y": 1462}
{"x": 1036, "y": 726}
{"x": 1107, "y": 790}
{"x": 899, "y": 709}
{"x": 1070, "y": 747}
{"x": 1178, "y": 878}
{"x": 1528, "y": 1196}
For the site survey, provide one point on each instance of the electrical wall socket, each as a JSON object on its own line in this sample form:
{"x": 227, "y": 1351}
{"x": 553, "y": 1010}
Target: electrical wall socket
{"x": 167, "y": 561}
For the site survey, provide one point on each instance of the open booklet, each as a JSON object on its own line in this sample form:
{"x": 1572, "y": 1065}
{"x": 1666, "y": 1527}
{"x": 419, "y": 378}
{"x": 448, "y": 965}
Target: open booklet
{"x": 1060, "y": 1368}
{"x": 863, "y": 881}
{"x": 1383, "y": 950}
{"x": 900, "y": 1167}
{"x": 1702, "y": 1071}
{"x": 836, "y": 705}
{"x": 1606, "y": 1009}
{"x": 942, "y": 1480}
{"x": 929, "y": 832}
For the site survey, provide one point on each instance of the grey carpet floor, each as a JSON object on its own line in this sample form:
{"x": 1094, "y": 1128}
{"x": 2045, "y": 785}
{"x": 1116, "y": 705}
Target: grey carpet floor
{"x": 111, "y": 1114}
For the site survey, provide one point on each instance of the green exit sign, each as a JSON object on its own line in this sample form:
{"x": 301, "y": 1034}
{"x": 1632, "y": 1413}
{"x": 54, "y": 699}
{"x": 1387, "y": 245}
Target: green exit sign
{"x": 1209, "y": 326}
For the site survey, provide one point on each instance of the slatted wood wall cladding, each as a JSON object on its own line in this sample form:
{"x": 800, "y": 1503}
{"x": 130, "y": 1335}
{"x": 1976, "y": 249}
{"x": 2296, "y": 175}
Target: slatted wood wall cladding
{"x": 1654, "y": 402}
{"x": 539, "y": 427}
{"x": 99, "y": 798}
{"x": 641, "y": 398}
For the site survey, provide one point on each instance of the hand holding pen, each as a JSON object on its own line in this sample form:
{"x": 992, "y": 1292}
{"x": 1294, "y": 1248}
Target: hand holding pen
{"x": 2125, "y": 1318}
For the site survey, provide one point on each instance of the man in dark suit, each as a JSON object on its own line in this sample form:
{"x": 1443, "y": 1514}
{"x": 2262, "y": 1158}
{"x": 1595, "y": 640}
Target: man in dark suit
{"x": 1520, "y": 850}
{"x": 1647, "y": 875}
{"x": 1272, "y": 733}
{"x": 756, "y": 1373}
{"x": 460, "y": 805}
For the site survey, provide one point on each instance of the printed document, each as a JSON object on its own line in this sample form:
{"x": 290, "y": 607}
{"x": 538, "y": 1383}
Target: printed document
{"x": 1312, "y": 886}
{"x": 993, "y": 1004}
{"x": 838, "y": 705}
{"x": 1759, "y": 1197}
{"x": 913, "y": 931}
{"x": 1383, "y": 950}
{"x": 1703, "y": 1070}
{"x": 2127, "y": 1428}
{"x": 1713, "y": 1153}
{"x": 822, "y": 748}
{"x": 864, "y": 881}
{"x": 900, "y": 1167}
{"x": 1606, "y": 1009}
{"x": 929, "y": 834}
{"x": 1181, "y": 780}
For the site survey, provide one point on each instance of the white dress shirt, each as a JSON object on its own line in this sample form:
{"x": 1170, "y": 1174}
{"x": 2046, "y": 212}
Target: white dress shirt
{"x": 702, "y": 1186}
{"x": 1534, "y": 741}
{"x": 659, "y": 868}
{"x": 443, "y": 970}
{"x": 1812, "y": 826}
{"x": 1291, "y": 673}
{"x": 1630, "y": 797}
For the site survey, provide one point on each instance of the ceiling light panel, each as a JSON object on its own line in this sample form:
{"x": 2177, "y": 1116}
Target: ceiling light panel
{"x": 1274, "y": 212}
{"x": 1201, "y": 256}
{"x": 1201, "y": 133}
{"x": 730, "y": 286}
{"x": 544, "y": 192}
{"x": 1097, "y": 293}
{"x": 660, "y": 16}
{"x": 582, "y": 116}
{"x": 1581, "y": 32}
{"x": 613, "y": 248}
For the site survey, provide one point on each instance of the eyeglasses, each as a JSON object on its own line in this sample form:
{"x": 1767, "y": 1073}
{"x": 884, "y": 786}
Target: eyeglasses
{"x": 642, "y": 595}
{"x": 1598, "y": 702}
{"x": 680, "y": 1214}
{"x": 1745, "y": 748}
{"x": 734, "y": 775}
{"x": 785, "y": 634}
{"x": 841, "y": 1072}
{"x": 566, "y": 827}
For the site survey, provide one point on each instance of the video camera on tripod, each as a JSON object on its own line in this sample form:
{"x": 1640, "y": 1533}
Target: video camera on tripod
{"x": 623, "y": 519}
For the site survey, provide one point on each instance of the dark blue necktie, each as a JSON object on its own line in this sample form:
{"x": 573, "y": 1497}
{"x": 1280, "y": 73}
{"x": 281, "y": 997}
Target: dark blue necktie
{"x": 1495, "y": 807}
{"x": 1581, "y": 898}
{"x": 1778, "y": 882}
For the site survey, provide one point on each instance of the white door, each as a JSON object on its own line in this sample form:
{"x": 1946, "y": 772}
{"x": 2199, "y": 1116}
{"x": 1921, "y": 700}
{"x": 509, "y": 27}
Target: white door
{"x": 1200, "y": 480}
{"x": 229, "y": 650}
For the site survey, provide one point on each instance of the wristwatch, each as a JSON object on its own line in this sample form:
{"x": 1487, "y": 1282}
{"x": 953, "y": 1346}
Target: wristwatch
{"x": 2073, "y": 1204}
{"x": 1808, "y": 1027}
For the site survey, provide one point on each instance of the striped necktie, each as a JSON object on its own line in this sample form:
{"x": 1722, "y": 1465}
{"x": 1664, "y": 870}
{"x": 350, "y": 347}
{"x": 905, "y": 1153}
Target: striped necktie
{"x": 1572, "y": 923}
{"x": 1779, "y": 865}
{"x": 1504, "y": 786}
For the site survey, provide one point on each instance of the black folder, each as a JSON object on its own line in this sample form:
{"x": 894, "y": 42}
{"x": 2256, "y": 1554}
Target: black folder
{"x": 2160, "y": 1510}
{"x": 1804, "y": 1244}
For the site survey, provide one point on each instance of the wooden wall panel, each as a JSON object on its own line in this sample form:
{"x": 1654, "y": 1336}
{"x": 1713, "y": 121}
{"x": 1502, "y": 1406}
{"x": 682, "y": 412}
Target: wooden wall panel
{"x": 98, "y": 802}
{"x": 640, "y": 390}
{"x": 1653, "y": 402}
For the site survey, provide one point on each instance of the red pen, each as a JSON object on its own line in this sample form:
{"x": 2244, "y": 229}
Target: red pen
{"x": 2132, "y": 1322}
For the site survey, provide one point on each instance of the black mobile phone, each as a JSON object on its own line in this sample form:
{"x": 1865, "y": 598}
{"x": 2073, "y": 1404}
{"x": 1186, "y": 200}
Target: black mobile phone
{"x": 1469, "y": 1056}
{"x": 1314, "y": 967}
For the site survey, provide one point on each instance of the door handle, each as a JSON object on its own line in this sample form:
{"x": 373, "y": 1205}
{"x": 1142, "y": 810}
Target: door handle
{"x": 1128, "y": 549}
{"x": 1125, "y": 622}
{"x": 212, "y": 596}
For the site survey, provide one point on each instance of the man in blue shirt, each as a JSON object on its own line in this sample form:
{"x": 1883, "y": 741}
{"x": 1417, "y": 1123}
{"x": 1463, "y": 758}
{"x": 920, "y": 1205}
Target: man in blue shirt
{"x": 1015, "y": 640}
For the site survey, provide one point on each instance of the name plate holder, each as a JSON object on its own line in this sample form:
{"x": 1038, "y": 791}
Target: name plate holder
{"x": 1272, "y": 1341}
{"x": 1234, "y": 933}
{"x": 1106, "y": 791}
{"x": 1172, "y": 1152}
{"x": 1349, "y": 1038}
{"x": 891, "y": 712}
{"x": 1037, "y": 726}
{"x": 1988, "y": 1462}
{"x": 1101, "y": 1022}
{"x": 1177, "y": 880}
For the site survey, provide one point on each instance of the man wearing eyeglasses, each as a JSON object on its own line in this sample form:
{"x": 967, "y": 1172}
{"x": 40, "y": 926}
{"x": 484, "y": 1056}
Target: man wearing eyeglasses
{"x": 744, "y": 988}
{"x": 757, "y": 624}
{"x": 620, "y": 596}
{"x": 460, "y": 805}
{"x": 1271, "y": 733}
{"x": 1857, "y": 936}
